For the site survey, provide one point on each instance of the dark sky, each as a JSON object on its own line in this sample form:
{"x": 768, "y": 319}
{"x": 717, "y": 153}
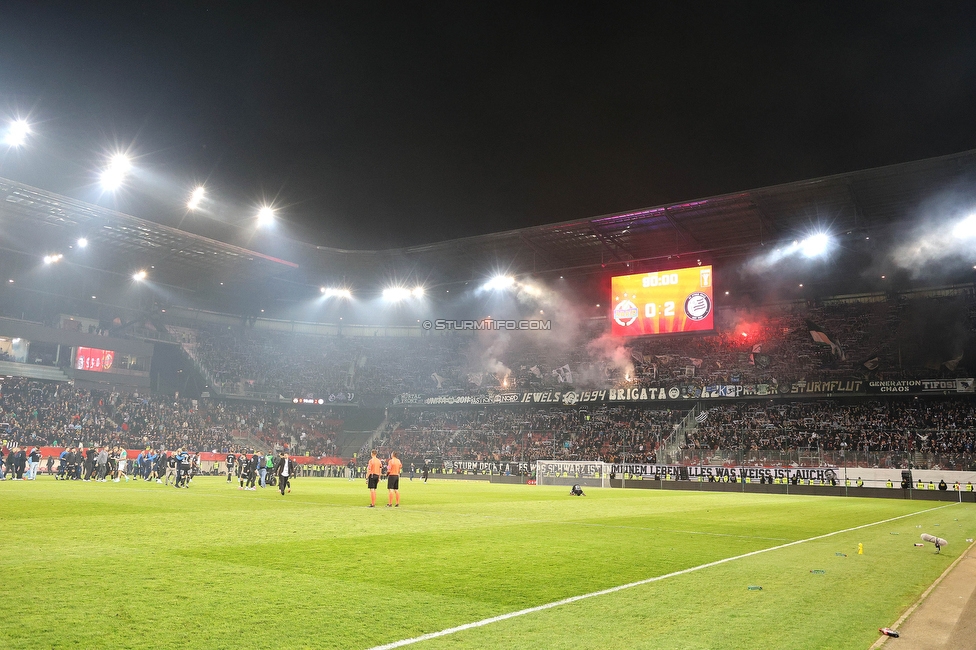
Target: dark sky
{"x": 389, "y": 124}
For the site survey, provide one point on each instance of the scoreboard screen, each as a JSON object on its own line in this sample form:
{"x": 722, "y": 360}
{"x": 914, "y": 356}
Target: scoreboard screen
{"x": 94, "y": 359}
{"x": 665, "y": 302}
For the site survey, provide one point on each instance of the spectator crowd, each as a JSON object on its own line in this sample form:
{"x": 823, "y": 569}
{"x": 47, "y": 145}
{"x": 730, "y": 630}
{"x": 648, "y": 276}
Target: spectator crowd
{"x": 886, "y": 338}
{"x": 39, "y": 413}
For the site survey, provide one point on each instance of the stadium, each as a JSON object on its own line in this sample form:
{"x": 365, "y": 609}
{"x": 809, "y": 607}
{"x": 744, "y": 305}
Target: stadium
{"x": 767, "y": 397}
{"x": 474, "y": 325}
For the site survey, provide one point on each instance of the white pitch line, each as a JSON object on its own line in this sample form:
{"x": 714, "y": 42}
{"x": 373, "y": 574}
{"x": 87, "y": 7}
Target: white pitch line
{"x": 631, "y": 585}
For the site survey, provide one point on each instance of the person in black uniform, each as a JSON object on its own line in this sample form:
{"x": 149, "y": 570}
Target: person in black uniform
{"x": 252, "y": 471}
{"x": 79, "y": 461}
{"x": 241, "y": 470}
{"x": 231, "y": 461}
{"x": 161, "y": 464}
{"x": 89, "y": 463}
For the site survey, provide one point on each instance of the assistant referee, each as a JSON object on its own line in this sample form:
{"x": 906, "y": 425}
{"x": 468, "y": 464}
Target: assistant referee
{"x": 373, "y": 470}
{"x": 393, "y": 467}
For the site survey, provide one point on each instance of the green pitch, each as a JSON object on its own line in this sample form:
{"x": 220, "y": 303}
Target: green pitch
{"x": 140, "y": 565}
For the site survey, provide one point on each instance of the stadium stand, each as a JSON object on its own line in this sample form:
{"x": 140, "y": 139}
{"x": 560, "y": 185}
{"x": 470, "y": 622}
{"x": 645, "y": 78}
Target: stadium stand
{"x": 38, "y": 413}
{"x": 511, "y": 434}
{"x": 875, "y": 336}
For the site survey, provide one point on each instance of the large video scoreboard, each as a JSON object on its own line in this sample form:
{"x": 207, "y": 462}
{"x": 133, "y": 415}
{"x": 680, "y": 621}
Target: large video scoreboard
{"x": 666, "y": 302}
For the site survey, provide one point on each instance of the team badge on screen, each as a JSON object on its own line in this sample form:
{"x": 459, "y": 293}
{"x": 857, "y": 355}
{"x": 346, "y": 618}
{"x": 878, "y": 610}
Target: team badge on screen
{"x": 698, "y": 306}
{"x": 625, "y": 313}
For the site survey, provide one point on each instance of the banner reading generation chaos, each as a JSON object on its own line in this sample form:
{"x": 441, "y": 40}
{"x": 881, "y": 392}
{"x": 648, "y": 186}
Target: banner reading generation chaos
{"x": 667, "y": 302}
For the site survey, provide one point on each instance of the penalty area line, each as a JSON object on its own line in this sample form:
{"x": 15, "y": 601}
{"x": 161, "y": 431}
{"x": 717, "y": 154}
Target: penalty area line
{"x": 631, "y": 585}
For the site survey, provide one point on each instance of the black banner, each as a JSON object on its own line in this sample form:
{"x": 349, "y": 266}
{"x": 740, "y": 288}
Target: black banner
{"x": 921, "y": 386}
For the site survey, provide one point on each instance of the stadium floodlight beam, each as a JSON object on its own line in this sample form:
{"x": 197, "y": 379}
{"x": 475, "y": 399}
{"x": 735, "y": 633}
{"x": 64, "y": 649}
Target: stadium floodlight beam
{"x": 114, "y": 175}
{"x": 336, "y": 293}
{"x": 139, "y": 276}
{"x": 396, "y": 294}
{"x": 418, "y": 292}
{"x": 499, "y": 282}
{"x": 17, "y": 133}
{"x": 266, "y": 216}
{"x": 82, "y": 242}
{"x": 52, "y": 259}
{"x": 195, "y": 198}
{"x": 815, "y": 245}
{"x": 965, "y": 229}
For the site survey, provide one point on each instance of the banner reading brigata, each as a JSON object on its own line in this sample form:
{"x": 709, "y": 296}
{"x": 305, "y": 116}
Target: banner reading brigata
{"x": 94, "y": 359}
{"x": 668, "y": 302}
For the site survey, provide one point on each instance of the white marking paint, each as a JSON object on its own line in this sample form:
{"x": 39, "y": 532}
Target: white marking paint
{"x": 631, "y": 585}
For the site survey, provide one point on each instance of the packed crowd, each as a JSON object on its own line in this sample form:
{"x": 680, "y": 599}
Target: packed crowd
{"x": 943, "y": 426}
{"x": 880, "y": 338}
{"x": 38, "y": 413}
{"x": 242, "y": 360}
{"x": 528, "y": 434}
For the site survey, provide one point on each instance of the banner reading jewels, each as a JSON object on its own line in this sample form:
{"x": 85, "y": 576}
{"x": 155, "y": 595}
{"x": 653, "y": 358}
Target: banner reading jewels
{"x": 674, "y": 392}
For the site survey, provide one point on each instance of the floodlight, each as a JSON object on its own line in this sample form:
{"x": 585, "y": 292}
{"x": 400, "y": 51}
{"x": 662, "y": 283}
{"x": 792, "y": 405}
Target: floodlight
{"x": 266, "y": 216}
{"x": 815, "y": 245}
{"x": 139, "y": 276}
{"x": 396, "y": 294}
{"x": 82, "y": 242}
{"x": 195, "y": 198}
{"x": 336, "y": 293}
{"x": 499, "y": 282}
{"x": 965, "y": 229}
{"x": 114, "y": 175}
{"x": 17, "y": 133}
{"x": 418, "y": 292}
{"x": 51, "y": 259}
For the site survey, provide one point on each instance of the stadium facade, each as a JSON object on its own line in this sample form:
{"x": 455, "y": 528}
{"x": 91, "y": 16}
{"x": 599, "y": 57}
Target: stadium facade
{"x": 774, "y": 348}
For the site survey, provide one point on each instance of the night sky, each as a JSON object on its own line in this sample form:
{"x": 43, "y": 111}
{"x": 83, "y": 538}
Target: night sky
{"x": 376, "y": 125}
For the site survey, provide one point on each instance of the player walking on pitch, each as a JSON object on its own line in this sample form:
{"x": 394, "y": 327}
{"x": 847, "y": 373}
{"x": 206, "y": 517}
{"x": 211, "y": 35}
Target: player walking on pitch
{"x": 373, "y": 471}
{"x": 285, "y": 470}
{"x": 393, "y": 467}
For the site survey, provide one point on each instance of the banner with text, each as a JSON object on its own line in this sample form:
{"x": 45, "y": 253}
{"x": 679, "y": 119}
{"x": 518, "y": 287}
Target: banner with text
{"x": 675, "y": 392}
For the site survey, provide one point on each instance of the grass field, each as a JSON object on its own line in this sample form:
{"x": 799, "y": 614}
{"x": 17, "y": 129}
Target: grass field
{"x": 139, "y": 565}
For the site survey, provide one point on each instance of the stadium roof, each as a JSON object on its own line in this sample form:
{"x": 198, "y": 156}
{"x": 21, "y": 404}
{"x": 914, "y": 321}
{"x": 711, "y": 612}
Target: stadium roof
{"x": 36, "y": 222}
{"x": 33, "y": 222}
